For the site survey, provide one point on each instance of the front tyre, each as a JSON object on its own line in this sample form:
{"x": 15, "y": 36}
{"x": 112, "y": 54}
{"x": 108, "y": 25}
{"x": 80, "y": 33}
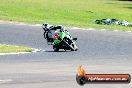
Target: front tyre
{"x": 70, "y": 44}
{"x": 56, "y": 49}
{"x": 73, "y": 47}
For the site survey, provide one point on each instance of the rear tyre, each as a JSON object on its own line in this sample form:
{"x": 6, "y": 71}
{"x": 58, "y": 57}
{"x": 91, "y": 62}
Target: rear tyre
{"x": 56, "y": 49}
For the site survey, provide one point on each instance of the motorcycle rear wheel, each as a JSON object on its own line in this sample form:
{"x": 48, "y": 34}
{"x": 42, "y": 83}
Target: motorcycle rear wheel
{"x": 56, "y": 49}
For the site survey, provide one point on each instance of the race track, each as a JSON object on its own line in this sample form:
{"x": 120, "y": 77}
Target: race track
{"x": 99, "y": 52}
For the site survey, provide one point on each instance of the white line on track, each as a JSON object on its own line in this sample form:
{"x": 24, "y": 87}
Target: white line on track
{"x": 34, "y": 51}
{"x": 115, "y": 30}
{"x": 103, "y": 29}
{"x": 5, "y": 81}
{"x": 36, "y": 25}
{"x": 128, "y": 31}
{"x": 91, "y": 29}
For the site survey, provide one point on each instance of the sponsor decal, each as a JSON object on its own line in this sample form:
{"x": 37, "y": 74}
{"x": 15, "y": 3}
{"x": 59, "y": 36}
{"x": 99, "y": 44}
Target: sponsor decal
{"x": 82, "y": 78}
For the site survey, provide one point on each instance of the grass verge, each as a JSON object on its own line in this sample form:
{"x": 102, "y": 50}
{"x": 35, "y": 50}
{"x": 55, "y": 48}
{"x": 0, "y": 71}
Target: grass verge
{"x": 79, "y": 13}
{"x": 13, "y": 49}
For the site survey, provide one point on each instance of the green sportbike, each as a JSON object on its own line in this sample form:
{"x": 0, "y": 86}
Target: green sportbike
{"x": 59, "y": 38}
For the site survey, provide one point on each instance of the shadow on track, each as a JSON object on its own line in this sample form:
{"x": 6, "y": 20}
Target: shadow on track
{"x": 55, "y": 52}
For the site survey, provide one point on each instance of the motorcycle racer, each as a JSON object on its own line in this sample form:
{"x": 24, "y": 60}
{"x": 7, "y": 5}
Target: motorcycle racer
{"x": 53, "y": 29}
{"x": 59, "y": 38}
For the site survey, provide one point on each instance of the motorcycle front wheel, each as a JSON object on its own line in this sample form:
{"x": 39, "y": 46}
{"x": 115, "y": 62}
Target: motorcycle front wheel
{"x": 71, "y": 45}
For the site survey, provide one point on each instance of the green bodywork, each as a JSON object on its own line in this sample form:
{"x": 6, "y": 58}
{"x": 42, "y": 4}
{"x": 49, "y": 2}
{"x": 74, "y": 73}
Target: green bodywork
{"x": 62, "y": 35}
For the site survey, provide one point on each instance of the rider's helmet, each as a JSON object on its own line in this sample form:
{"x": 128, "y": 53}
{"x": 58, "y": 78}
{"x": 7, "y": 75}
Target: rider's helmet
{"x": 45, "y": 26}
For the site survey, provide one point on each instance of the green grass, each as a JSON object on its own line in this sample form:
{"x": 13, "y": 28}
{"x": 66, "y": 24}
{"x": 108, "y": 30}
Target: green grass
{"x": 13, "y": 49}
{"x": 79, "y": 13}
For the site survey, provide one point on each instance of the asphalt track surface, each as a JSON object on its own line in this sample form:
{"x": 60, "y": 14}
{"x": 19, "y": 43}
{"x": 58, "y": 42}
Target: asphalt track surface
{"x": 99, "y": 52}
